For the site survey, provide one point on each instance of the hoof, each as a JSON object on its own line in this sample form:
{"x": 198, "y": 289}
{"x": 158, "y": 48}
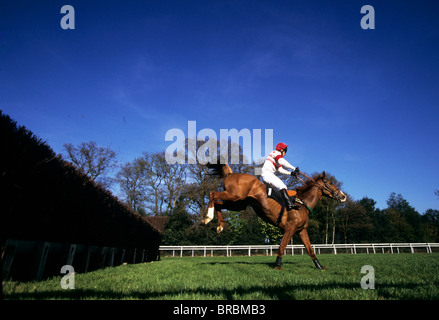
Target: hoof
{"x": 203, "y": 223}
{"x": 278, "y": 267}
{"x": 219, "y": 229}
{"x": 318, "y": 265}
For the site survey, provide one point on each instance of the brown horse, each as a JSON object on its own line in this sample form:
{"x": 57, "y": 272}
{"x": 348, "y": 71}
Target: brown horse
{"x": 242, "y": 190}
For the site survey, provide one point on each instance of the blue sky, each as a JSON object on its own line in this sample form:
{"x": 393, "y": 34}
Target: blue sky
{"x": 360, "y": 104}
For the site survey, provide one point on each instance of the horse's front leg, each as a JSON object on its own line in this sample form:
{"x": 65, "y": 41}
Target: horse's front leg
{"x": 305, "y": 240}
{"x": 288, "y": 234}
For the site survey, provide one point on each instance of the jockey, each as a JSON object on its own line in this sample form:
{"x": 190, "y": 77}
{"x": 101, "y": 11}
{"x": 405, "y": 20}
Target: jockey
{"x": 274, "y": 162}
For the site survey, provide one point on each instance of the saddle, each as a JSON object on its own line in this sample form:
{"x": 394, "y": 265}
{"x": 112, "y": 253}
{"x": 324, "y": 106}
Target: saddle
{"x": 274, "y": 193}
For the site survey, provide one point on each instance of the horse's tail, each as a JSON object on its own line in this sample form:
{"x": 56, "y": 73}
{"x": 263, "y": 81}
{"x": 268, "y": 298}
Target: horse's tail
{"x": 221, "y": 170}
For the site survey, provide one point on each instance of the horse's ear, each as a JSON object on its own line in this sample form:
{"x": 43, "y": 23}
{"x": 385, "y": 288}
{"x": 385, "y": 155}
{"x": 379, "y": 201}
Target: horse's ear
{"x": 324, "y": 174}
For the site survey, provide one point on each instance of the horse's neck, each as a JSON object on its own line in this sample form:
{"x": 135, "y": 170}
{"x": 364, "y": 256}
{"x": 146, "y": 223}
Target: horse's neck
{"x": 312, "y": 197}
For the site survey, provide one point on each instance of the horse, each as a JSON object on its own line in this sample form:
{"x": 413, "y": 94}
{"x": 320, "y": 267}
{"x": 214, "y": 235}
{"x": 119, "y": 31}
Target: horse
{"x": 242, "y": 190}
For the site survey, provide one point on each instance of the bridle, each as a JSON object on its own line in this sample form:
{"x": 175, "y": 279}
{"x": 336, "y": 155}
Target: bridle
{"x": 335, "y": 194}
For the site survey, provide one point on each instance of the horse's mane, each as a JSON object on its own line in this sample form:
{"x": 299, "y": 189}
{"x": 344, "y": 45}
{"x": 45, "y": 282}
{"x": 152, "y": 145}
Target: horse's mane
{"x": 307, "y": 185}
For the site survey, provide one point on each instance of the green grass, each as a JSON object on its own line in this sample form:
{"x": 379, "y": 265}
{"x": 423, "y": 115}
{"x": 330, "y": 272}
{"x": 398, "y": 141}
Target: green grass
{"x": 397, "y": 276}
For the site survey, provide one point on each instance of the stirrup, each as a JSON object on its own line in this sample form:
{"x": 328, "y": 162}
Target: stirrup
{"x": 292, "y": 207}
{"x": 295, "y": 199}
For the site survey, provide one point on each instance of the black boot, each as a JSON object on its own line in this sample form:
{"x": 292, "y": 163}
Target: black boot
{"x": 288, "y": 201}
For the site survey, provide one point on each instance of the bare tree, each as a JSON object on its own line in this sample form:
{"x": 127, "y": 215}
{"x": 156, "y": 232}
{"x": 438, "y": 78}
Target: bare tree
{"x": 196, "y": 191}
{"x": 131, "y": 181}
{"x": 153, "y": 182}
{"x": 150, "y": 183}
{"x": 175, "y": 179}
{"x": 94, "y": 161}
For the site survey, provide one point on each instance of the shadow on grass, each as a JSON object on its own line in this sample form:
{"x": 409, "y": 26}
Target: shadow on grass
{"x": 287, "y": 292}
{"x": 269, "y": 265}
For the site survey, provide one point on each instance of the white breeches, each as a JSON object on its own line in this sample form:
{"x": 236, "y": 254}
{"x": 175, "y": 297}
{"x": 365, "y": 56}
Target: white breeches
{"x": 270, "y": 178}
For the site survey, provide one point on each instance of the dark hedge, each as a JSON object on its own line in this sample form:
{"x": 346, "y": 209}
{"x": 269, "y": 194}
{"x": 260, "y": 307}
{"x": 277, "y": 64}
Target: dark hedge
{"x": 45, "y": 198}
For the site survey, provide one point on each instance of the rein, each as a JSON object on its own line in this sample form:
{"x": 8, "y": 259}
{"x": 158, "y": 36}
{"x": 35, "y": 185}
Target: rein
{"x": 305, "y": 176}
{"x": 307, "y": 206}
{"x": 335, "y": 194}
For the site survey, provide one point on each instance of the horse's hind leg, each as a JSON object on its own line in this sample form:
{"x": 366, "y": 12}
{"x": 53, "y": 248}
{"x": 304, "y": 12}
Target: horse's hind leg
{"x": 218, "y": 206}
{"x": 227, "y": 205}
{"x": 305, "y": 240}
{"x": 210, "y": 210}
{"x": 224, "y": 196}
{"x": 221, "y": 221}
{"x": 217, "y": 196}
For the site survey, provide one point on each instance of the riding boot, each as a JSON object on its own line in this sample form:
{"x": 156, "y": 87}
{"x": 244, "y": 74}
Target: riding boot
{"x": 288, "y": 202}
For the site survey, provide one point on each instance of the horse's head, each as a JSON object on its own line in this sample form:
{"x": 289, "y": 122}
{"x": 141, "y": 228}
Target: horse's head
{"x": 329, "y": 189}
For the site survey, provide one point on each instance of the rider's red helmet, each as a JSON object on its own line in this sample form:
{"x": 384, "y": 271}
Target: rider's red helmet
{"x": 281, "y": 146}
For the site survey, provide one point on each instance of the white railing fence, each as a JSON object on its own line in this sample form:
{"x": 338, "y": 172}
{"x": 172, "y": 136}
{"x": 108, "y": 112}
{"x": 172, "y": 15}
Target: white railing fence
{"x": 268, "y": 250}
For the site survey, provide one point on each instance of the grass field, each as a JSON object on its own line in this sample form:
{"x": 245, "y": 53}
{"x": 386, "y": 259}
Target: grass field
{"x": 397, "y": 276}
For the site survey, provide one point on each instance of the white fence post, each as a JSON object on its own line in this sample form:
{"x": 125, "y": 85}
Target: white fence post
{"x": 317, "y": 248}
